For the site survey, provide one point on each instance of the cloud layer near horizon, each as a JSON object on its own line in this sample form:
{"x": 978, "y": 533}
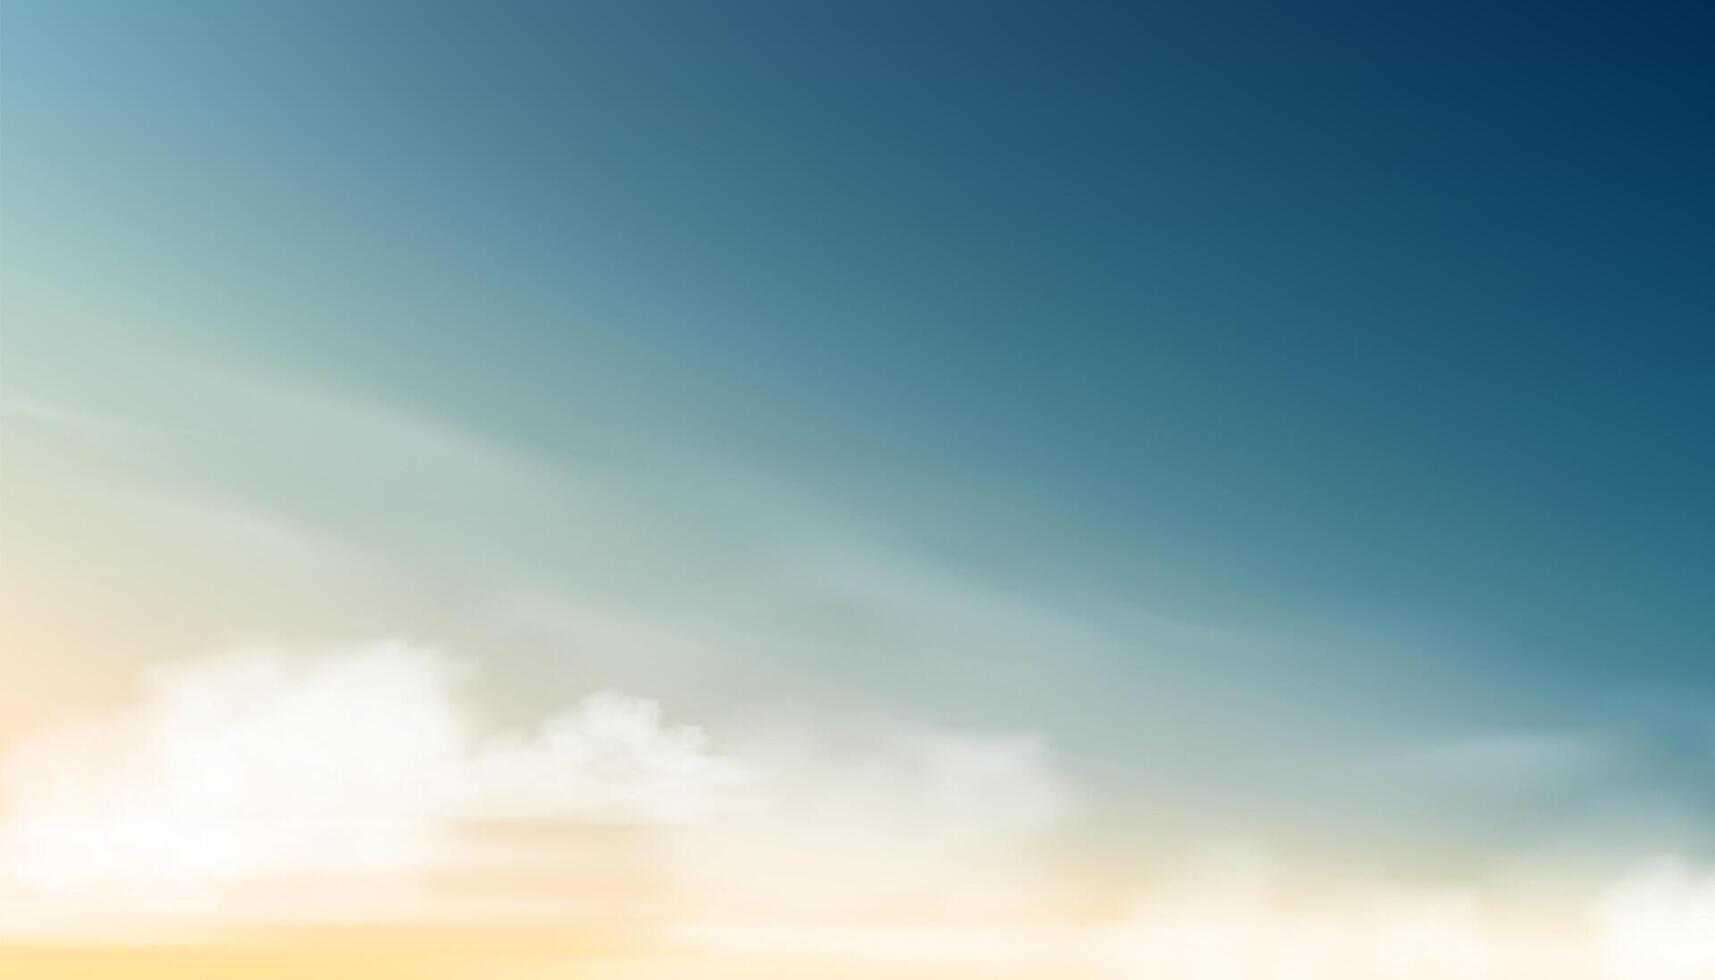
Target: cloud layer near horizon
{"x": 264, "y": 788}
{"x": 235, "y": 780}
{"x": 250, "y": 765}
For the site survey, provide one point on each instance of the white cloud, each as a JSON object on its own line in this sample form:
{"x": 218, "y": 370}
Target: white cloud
{"x": 1235, "y": 921}
{"x": 611, "y": 759}
{"x": 253, "y": 766}
{"x": 266, "y": 787}
{"x": 1659, "y": 924}
{"x": 260, "y": 786}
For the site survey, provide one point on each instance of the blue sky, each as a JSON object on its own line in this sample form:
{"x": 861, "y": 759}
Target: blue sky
{"x": 1255, "y": 400}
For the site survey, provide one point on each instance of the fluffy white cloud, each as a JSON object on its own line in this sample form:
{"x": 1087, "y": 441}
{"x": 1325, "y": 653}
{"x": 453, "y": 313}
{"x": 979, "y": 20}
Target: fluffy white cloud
{"x": 253, "y": 765}
{"x": 262, "y": 787}
{"x": 609, "y": 759}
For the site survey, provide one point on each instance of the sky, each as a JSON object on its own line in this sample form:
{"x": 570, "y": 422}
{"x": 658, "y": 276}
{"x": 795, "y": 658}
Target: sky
{"x": 1185, "y": 491}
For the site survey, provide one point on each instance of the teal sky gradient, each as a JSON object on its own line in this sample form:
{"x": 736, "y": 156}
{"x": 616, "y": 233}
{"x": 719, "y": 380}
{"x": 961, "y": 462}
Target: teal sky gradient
{"x": 1246, "y": 396}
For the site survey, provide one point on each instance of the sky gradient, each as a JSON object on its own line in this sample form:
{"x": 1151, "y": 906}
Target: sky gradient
{"x": 926, "y": 490}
